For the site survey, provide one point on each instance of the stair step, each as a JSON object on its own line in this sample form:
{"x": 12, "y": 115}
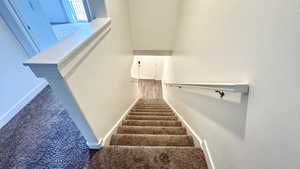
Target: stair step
{"x": 151, "y": 130}
{"x": 144, "y": 104}
{"x": 150, "y": 123}
{"x": 117, "y": 157}
{"x": 139, "y": 117}
{"x": 151, "y": 140}
{"x": 152, "y": 110}
{"x": 152, "y": 104}
{"x": 148, "y": 105}
{"x": 136, "y": 106}
{"x": 152, "y": 113}
{"x": 167, "y": 108}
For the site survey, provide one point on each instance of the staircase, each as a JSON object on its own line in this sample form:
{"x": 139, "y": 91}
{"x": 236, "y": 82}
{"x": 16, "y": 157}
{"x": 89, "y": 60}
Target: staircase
{"x": 151, "y": 137}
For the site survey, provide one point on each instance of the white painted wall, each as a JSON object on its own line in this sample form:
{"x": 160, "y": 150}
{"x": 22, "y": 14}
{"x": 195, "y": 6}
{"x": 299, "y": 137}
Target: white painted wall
{"x": 150, "y": 67}
{"x": 241, "y": 41}
{"x": 153, "y": 23}
{"x": 101, "y": 84}
{"x": 18, "y": 85}
{"x": 55, "y": 11}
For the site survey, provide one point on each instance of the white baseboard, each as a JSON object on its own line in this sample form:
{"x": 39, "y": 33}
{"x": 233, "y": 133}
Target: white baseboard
{"x": 6, "y": 117}
{"x": 207, "y": 154}
{"x": 189, "y": 128}
{"x": 94, "y": 146}
{"x": 106, "y": 138}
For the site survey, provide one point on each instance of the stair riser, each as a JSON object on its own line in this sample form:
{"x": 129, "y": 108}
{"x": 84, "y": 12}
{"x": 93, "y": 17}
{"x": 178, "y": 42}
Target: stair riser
{"x": 151, "y": 118}
{"x": 151, "y": 110}
{"x": 154, "y": 108}
{"x": 152, "y": 104}
{"x": 151, "y": 123}
{"x": 168, "y": 109}
{"x": 153, "y": 130}
{"x": 151, "y": 114}
{"x": 163, "y": 112}
{"x": 151, "y": 140}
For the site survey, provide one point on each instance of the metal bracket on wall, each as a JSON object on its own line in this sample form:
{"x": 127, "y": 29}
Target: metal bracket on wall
{"x": 221, "y": 92}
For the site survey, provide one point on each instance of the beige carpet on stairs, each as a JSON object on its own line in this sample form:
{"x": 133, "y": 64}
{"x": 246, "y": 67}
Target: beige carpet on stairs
{"x": 150, "y": 137}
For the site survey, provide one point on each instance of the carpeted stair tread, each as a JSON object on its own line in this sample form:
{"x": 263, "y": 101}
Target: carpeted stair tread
{"x": 152, "y": 107}
{"x": 154, "y": 104}
{"x": 150, "y": 123}
{"x": 152, "y": 113}
{"x": 151, "y": 140}
{"x": 139, "y": 117}
{"x": 157, "y": 108}
{"x": 151, "y": 104}
{"x": 151, "y": 130}
{"x": 123, "y": 157}
{"x": 151, "y": 110}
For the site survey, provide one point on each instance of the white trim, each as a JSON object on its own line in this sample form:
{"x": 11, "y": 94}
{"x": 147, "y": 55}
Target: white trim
{"x": 207, "y": 154}
{"x": 70, "y": 52}
{"x": 107, "y": 137}
{"x": 6, "y": 117}
{"x": 202, "y": 143}
{"x": 94, "y": 146}
{"x": 153, "y": 52}
{"x": 69, "y": 49}
{"x": 185, "y": 124}
{"x": 67, "y": 68}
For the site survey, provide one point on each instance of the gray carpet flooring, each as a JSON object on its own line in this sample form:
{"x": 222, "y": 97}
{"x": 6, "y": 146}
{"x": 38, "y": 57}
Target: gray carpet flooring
{"x": 42, "y": 136}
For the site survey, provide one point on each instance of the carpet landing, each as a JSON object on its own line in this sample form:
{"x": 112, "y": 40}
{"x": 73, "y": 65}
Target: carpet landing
{"x": 43, "y": 136}
{"x": 150, "y": 137}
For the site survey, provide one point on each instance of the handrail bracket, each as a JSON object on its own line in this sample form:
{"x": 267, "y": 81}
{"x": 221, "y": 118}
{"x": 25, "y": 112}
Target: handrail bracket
{"x": 221, "y": 93}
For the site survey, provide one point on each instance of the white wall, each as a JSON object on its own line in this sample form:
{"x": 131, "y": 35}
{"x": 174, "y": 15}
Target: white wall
{"x": 150, "y": 67}
{"x": 55, "y": 11}
{"x": 241, "y": 41}
{"x": 18, "y": 85}
{"x": 153, "y": 23}
{"x": 101, "y": 84}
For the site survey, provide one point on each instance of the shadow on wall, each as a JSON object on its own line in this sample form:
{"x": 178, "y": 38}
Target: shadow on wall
{"x": 229, "y": 112}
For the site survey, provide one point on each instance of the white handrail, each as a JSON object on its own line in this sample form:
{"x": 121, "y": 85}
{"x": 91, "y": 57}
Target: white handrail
{"x": 218, "y": 87}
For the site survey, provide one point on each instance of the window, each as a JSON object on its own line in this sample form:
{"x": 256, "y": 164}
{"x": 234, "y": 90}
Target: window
{"x": 76, "y": 10}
